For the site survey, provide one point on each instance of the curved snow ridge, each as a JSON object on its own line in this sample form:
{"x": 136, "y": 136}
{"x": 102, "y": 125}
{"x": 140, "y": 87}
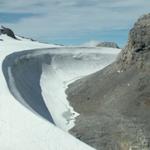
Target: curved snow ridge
{"x": 22, "y": 75}
{"x": 21, "y": 129}
{"x": 38, "y": 79}
{"x": 65, "y": 68}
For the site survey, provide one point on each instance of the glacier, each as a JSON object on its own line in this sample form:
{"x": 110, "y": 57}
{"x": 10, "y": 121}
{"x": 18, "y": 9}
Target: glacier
{"x": 34, "y": 110}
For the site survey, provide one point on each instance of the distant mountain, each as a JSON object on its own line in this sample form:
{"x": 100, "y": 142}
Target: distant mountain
{"x": 107, "y": 44}
{"x": 100, "y": 44}
{"x": 9, "y": 32}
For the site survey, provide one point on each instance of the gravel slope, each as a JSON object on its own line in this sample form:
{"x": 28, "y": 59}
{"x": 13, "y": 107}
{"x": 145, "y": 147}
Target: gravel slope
{"x": 114, "y": 104}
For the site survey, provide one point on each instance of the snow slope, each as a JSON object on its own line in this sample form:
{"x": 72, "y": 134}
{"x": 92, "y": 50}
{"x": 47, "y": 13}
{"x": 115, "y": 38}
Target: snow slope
{"x": 66, "y": 67}
{"x": 41, "y": 76}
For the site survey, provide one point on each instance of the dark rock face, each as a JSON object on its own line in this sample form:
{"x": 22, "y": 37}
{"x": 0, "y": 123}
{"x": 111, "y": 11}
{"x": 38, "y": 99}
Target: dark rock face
{"x": 140, "y": 34}
{"x": 7, "y": 31}
{"x": 137, "y": 50}
{"x": 114, "y": 104}
{"x": 107, "y": 44}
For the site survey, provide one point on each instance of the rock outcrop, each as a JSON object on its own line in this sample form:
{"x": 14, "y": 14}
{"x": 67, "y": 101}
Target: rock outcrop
{"x": 114, "y": 104}
{"x": 8, "y": 32}
{"x": 137, "y": 51}
{"x": 107, "y": 44}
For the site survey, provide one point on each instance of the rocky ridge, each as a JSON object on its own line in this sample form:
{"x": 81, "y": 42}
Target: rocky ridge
{"x": 114, "y": 104}
{"x": 137, "y": 51}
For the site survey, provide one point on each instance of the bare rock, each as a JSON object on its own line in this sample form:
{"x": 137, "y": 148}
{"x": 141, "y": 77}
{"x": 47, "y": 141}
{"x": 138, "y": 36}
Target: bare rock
{"x": 114, "y": 103}
{"x": 8, "y": 32}
{"x": 107, "y": 44}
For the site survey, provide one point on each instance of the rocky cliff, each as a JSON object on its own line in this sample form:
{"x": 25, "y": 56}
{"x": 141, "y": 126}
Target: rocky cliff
{"x": 114, "y": 104}
{"x": 137, "y": 51}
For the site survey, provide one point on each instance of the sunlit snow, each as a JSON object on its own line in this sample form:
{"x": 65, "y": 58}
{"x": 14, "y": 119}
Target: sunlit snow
{"x": 22, "y": 127}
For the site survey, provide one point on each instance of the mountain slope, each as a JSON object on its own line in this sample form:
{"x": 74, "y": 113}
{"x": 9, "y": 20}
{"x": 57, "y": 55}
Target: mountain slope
{"x": 33, "y": 79}
{"x": 21, "y": 128}
{"x": 114, "y": 104}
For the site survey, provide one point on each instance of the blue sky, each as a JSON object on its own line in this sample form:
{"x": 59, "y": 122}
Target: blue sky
{"x": 73, "y": 22}
{"x": 8, "y": 17}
